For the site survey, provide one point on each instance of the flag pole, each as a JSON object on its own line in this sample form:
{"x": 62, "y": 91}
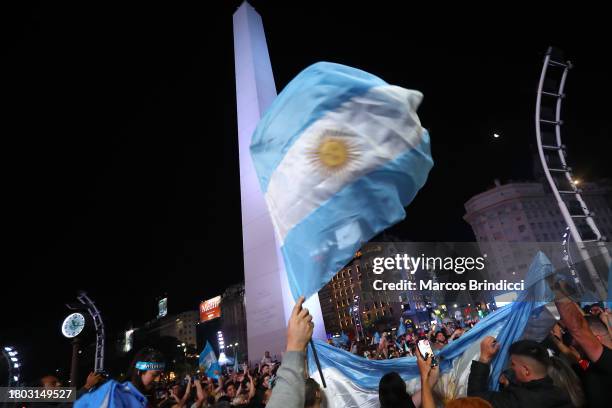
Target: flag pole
{"x": 318, "y": 363}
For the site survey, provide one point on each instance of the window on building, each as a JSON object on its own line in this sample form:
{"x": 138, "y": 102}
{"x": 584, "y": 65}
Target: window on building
{"x": 521, "y": 227}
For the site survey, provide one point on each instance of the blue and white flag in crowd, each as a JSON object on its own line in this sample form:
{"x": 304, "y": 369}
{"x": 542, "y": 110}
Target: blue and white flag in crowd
{"x": 209, "y": 363}
{"x": 376, "y": 338}
{"x": 113, "y": 394}
{"x": 341, "y": 340}
{"x": 401, "y": 330}
{"x": 338, "y": 154}
{"x": 352, "y": 381}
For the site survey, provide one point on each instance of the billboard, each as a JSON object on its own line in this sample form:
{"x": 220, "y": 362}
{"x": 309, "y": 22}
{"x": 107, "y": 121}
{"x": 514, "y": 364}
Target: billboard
{"x": 210, "y": 309}
{"x": 163, "y": 307}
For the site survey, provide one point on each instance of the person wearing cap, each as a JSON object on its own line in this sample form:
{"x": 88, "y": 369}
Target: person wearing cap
{"x": 139, "y": 392}
{"x": 532, "y": 387}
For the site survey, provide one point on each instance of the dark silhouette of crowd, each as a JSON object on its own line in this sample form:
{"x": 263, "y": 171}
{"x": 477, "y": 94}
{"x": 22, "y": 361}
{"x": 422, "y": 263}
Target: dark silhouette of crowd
{"x": 571, "y": 368}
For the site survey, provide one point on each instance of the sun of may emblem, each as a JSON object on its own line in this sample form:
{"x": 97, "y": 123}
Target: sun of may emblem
{"x": 334, "y": 153}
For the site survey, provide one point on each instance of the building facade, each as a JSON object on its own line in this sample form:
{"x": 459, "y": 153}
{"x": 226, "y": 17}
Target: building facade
{"x": 233, "y": 320}
{"x": 338, "y": 297}
{"x": 181, "y": 326}
{"x": 509, "y": 219}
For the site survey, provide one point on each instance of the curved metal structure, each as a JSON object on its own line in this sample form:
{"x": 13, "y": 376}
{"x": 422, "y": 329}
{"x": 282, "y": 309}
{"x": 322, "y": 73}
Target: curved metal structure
{"x": 580, "y": 221}
{"x": 567, "y": 258}
{"x": 14, "y": 365}
{"x": 99, "y": 326}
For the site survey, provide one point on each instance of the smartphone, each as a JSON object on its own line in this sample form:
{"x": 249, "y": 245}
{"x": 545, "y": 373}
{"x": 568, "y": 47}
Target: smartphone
{"x": 426, "y": 351}
{"x": 160, "y": 393}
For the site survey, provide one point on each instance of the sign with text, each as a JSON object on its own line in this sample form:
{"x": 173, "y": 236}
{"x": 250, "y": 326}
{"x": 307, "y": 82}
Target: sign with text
{"x": 210, "y": 309}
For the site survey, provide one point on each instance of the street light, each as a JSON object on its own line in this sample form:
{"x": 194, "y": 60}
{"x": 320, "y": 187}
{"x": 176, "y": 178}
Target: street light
{"x": 13, "y": 363}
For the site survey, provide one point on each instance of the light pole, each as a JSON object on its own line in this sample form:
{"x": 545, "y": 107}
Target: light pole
{"x": 14, "y": 365}
{"x": 235, "y": 347}
{"x": 74, "y": 364}
{"x": 74, "y": 324}
{"x": 85, "y": 303}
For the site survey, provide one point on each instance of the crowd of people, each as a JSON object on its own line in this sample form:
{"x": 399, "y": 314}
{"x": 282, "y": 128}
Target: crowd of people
{"x": 147, "y": 386}
{"x": 391, "y": 345}
{"x": 571, "y": 368}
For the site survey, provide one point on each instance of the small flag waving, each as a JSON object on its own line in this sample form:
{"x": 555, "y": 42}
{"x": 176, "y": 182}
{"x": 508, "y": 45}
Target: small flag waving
{"x": 209, "y": 363}
{"x": 401, "y": 330}
{"x": 338, "y": 154}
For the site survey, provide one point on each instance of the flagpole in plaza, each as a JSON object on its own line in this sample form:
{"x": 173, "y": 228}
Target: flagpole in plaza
{"x": 316, "y": 357}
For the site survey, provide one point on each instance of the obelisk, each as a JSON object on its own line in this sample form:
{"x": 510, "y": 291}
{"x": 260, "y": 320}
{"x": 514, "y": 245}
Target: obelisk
{"x": 268, "y": 301}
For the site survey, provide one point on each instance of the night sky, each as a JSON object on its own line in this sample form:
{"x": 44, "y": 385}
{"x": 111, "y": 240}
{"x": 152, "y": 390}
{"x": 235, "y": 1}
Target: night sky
{"x": 121, "y": 141}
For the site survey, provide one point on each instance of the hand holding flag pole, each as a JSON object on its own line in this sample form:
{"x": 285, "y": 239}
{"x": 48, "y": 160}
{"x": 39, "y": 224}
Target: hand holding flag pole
{"x": 299, "y": 332}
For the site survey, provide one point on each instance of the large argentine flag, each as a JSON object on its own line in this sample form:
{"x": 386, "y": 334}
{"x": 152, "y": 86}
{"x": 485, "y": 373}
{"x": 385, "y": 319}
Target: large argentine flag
{"x": 338, "y": 154}
{"x": 352, "y": 381}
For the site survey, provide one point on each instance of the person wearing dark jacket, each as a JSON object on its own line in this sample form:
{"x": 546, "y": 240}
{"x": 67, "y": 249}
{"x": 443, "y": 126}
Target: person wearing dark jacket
{"x": 593, "y": 339}
{"x": 529, "y": 362}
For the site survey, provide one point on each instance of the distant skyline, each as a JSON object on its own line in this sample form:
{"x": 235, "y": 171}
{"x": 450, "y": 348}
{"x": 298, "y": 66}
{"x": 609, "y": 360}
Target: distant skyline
{"x": 123, "y": 172}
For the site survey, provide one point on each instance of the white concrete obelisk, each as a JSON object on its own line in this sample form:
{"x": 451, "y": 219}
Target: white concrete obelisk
{"x": 268, "y": 299}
